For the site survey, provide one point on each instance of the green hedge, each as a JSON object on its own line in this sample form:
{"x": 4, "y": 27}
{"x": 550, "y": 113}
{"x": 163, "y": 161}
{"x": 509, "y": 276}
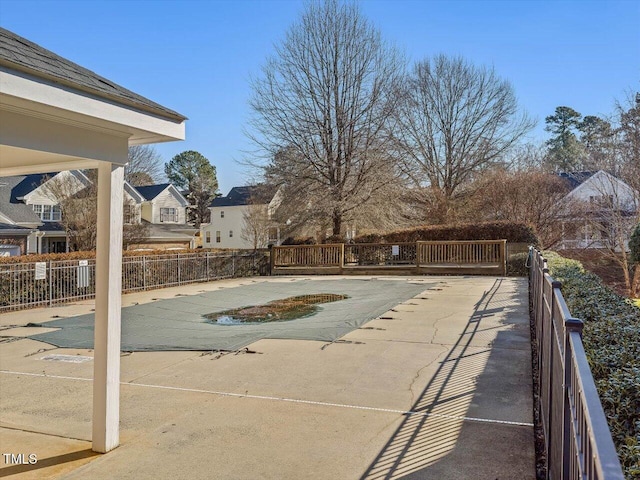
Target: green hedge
{"x": 611, "y": 339}
{"x": 517, "y": 265}
{"x": 512, "y": 232}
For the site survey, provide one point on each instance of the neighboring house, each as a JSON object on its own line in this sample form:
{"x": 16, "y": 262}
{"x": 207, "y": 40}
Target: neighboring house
{"x": 600, "y": 211}
{"x": 31, "y": 218}
{"x": 243, "y": 219}
{"x": 30, "y": 213}
{"x": 164, "y": 210}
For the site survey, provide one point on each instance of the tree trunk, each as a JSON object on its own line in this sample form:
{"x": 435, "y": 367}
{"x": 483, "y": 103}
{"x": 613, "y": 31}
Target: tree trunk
{"x": 635, "y": 285}
{"x": 337, "y": 222}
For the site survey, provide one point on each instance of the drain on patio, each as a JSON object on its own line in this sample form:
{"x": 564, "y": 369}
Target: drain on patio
{"x": 282, "y": 310}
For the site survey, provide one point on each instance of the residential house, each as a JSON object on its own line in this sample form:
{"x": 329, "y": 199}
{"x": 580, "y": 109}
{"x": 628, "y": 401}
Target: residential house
{"x": 164, "y": 211}
{"x": 600, "y": 211}
{"x": 243, "y": 219}
{"x": 31, "y": 217}
{"x": 30, "y": 212}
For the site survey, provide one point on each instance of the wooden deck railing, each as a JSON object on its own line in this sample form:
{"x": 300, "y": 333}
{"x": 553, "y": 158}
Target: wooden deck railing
{"x": 476, "y": 253}
{"x": 330, "y": 255}
{"x": 470, "y": 257}
{"x": 360, "y": 254}
{"x": 577, "y": 439}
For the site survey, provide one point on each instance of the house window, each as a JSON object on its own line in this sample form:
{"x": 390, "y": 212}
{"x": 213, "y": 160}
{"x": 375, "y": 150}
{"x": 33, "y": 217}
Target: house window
{"x": 273, "y": 235}
{"x": 230, "y": 233}
{"x": 48, "y": 213}
{"x": 129, "y": 214}
{"x": 56, "y": 213}
{"x": 168, "y": 215}
{"x": 221, "y": 213}
{"x": 217, "y": 236}
{"x": 207, "y": 237}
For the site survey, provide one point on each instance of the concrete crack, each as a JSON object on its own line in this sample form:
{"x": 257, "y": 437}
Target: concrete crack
{"x": 417, "y": 375}
{"x": 435, "y": 327}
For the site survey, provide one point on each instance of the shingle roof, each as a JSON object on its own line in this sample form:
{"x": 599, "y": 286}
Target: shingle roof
{"x": 20, "y": 54}
{"x": 242, "y": 196}
{"x": 574, "y": 179}
{"x": 13, "y": 187}
{"x": 28, "y": 184}
{"x": 15, "y": 229}
{"x": 149, "y": 192}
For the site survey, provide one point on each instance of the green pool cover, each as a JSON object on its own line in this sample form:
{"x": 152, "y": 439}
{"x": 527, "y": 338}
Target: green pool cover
{"x": 179, "y": 323}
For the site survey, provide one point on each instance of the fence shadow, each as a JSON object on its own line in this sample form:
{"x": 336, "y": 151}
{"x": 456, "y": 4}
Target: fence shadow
{"x": 436, "y": 441}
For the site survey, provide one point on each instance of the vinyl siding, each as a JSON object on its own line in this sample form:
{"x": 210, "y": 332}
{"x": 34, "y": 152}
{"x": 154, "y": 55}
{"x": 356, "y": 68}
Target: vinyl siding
{"x": 233, "y": 221}
{"x": 165, "y": 200}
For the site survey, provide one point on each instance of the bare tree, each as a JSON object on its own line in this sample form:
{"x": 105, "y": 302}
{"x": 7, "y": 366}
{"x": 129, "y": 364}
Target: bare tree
{"x": 322, "y": 109}
{"x": 526, "y": 196}
{"x": 628, "y": 128}
{"x": 255, "y": 225}
{"x": 257, "y": 219}
{"x": 77, "y": 195}
{"x": 455, "y": 120}
{"x": 144, "y": 166}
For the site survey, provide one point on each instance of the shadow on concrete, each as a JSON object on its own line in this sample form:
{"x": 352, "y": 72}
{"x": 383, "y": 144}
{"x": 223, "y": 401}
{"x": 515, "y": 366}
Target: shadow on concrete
{"x": 446, "y": 437}
{"x": 54, "y": 461}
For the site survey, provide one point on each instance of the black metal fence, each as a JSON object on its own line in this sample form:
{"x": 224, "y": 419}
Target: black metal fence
{"x": 577, "y": 438}
{"x": 34, "y": 284}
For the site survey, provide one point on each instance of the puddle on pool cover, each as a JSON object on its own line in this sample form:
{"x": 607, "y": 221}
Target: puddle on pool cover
{"x": 277, "y": 311}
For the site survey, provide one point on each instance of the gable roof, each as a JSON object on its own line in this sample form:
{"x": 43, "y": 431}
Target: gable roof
{"x": 22, "y": 55}
{"x": 28, "y": 184}
{"x": 242, "y": 196}
{"x": 135, "y": 194}
{"x": 11, "y": 188}
{"x": 149, "y": 192}
{"x": 575, "y": 179}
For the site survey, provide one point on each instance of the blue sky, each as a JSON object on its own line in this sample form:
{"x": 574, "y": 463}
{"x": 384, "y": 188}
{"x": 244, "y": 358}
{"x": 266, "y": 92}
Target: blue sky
{"x": 197, "y": 57}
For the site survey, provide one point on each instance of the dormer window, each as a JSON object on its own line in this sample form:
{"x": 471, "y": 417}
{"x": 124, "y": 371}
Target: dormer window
{"x": 48, "y": 213}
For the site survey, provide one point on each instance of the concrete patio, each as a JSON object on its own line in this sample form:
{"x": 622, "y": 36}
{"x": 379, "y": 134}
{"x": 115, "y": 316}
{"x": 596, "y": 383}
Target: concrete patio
{"x": 439, "y": 387}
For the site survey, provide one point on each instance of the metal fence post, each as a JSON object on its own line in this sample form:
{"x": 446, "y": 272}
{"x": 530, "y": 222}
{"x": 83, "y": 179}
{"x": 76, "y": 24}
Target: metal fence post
{"x": 178, "y": 260}
{"x": 50, "y": 283}
{"x": 207, "y": 259}
{"x": 144, "y": 272}
{"x": 570, "y": 325}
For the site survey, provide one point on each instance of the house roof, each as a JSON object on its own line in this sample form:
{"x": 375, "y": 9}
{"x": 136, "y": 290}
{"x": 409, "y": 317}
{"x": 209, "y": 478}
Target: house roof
{"x": 28, "y": 184}
{"x": 243, "y": 195}
{"x": 22, "y": 55}
{"x": 11, "y": 188}
{"x": 575, "y": 179}
{"x": 8, "y": 229}
{"x": 149, "y": 192}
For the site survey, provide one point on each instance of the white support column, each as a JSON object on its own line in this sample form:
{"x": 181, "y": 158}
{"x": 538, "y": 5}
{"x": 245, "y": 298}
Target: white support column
{"x": 106, "y": 370}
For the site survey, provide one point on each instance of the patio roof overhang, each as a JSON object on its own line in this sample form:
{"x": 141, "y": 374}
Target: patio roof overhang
{"x": 48, "y": 125}
{"x": 52, "y": 124}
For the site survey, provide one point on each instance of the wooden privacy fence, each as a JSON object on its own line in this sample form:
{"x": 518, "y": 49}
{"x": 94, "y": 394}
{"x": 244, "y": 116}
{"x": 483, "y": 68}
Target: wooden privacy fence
{"x": 477, "y": 257}
{"x": 577, "y": 439}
